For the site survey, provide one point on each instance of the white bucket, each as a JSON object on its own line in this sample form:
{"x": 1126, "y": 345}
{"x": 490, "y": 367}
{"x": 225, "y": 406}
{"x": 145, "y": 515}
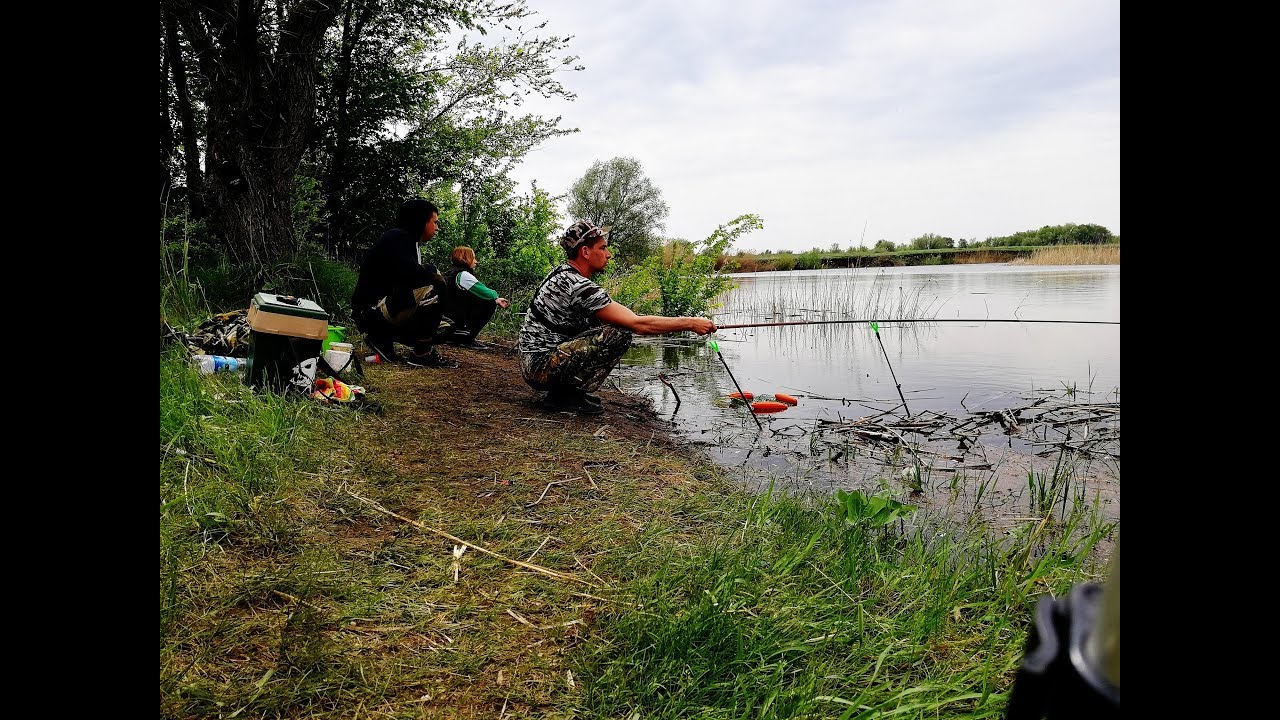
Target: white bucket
{"x": 338, "y": 356}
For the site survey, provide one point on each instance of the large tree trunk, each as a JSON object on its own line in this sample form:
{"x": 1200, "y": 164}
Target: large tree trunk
{"x": 166, "y": 128}
{"x": 186, "y": 117}
{"x": 355, "y": 16}
{"x": 260, "y": 102}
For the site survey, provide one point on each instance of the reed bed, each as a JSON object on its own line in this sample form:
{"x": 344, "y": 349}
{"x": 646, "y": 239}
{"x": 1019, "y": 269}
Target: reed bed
{"x": 1073, "y": 255}
{"x": 854, "y": 294}
{"x": 980, "y": 257}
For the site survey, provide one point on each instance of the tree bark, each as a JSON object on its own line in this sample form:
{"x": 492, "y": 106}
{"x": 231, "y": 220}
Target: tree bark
{"x": 260, "y": 102}
{"x": 166, "y": 126}
{"x": 186, "y": 117}
{"x": 354, "y": 20}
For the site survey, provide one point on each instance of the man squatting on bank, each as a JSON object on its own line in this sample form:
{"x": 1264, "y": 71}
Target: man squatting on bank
{"x": 574, "y": 333}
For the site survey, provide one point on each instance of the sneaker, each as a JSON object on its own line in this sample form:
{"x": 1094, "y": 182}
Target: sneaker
{"x": 590, "y": 399}
{"x": 431, "y": 359}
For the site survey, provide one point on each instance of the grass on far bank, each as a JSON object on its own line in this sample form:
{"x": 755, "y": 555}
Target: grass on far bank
{"x": 285, "y": 593}
{"x": 1073, "y": 255}
{"x": 1062, "y": 255}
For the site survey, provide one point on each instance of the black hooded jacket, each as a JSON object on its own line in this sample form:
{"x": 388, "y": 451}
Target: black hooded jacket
{"x": 393, "y": 262}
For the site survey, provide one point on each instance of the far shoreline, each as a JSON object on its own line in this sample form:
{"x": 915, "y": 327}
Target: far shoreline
{"x": 745, "y": 262}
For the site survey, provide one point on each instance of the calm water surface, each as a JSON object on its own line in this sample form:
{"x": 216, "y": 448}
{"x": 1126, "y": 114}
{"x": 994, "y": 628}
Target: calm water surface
{"x": 840, "y": 372}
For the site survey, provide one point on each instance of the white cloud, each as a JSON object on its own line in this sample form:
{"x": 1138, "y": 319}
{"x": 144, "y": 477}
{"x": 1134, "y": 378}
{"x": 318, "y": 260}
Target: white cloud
{"x": 964, "y": 119}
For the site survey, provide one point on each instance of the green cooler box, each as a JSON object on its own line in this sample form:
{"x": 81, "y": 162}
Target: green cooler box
{"x": 284, "y": 341}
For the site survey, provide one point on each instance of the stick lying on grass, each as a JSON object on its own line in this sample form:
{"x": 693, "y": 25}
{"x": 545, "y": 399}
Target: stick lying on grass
{"x": 529, "y": 566}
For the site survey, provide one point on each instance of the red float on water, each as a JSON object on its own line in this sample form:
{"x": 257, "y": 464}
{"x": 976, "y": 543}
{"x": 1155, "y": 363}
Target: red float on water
{"x": 739, "y": 396}
{"x": 788, "y": 399}
{"x": 769, "y": 406}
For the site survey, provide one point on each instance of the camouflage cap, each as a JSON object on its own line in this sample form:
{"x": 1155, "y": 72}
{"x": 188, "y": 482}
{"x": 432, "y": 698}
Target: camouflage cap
{"x": 581, "y": 233}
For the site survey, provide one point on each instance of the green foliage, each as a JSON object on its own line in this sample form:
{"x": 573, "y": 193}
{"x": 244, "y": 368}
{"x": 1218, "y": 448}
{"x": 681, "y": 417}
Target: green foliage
{"x": 884, "y": 246}
{"x": 875, "y": 510}
{"x": 785, "y": 262}
{"x": 617, "y": 194}
{"x": 181, "y": 295}
{"x": 684, "y": 273}
{"x": 529, "y": 253}
{"x": 329, "y": 282}
{"x": 308, "y": 208}
{"x": 929, "y": 241}
{"x": 1069, "y": 234}
{"x": 809, "y": 260}
{"x": 511, "y": 236}
{"x": 633, "y": 287}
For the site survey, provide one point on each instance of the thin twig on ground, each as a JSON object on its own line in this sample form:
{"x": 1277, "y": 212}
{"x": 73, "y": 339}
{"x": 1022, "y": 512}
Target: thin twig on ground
{"x": 548, "y": 487}
{"x": 528, "y": 566}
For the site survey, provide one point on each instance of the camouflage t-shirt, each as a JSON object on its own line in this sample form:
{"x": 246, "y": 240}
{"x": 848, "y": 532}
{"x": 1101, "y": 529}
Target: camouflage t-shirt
{"x": 564, "y": 307}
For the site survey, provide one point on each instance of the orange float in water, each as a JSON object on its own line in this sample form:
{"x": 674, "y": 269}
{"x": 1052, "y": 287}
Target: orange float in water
{"x": 740, "y": 396}
{"x": 788, "y": 399}
{"x": 768, "y": 406}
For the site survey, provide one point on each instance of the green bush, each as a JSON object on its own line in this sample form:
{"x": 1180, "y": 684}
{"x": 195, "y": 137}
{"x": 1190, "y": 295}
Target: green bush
{"x": 636, "y": 288}
{"x": 681, "y": 278}
{"x": 810, "y": 260}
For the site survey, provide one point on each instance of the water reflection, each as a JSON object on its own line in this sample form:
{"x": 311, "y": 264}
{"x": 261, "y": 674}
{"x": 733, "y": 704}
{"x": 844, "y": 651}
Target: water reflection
{"x": 839, "y": 372}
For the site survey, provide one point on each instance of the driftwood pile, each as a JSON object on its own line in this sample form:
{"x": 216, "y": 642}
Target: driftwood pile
{"x": 1046, "y": 426}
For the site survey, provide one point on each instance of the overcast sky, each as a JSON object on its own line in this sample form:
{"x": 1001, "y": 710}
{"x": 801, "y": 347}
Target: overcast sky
{"x": 967, "y": 119}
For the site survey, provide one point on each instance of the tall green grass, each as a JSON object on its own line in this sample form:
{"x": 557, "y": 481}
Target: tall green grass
{"x": 224, "y": 453}
{"x": 794, "y": 609}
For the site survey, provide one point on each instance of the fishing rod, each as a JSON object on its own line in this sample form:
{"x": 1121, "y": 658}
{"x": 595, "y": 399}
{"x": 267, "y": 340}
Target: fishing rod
{"x": 716, "y": 347}
{"x": 918, "y": 320}
{"x": 876, "y": 328}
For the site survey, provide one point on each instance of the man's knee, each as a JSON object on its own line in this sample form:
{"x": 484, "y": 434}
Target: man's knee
{"x": 535, "y": 370}
{"x": 615, "y": 341}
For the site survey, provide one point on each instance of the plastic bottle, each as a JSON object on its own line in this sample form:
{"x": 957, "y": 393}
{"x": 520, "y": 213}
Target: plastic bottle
{"x": 373, "y": 359}
{"x": 208, "y": 364}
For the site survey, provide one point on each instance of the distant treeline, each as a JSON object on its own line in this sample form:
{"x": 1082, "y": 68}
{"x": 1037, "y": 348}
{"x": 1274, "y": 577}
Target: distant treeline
{"x": 928, "y": 249}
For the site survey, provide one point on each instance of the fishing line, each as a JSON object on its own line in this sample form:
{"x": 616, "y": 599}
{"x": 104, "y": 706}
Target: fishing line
{"x": 919, "y": 320}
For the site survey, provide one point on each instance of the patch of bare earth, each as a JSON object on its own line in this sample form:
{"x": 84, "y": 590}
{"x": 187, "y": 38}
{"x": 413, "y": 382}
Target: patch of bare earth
{"x": 464, "y": 461}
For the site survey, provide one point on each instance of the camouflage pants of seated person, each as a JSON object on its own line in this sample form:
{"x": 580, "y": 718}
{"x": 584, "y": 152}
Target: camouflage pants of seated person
{"x": 582, "y": 362}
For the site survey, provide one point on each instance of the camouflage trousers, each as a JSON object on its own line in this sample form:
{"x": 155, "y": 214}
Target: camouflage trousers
{"x": 582, "y": 362}
{"x": 413, "y": 316}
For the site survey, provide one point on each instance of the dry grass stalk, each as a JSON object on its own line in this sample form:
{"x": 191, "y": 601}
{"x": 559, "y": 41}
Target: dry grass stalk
{"x": 1073, "y": 255}
{"x": 528, "y": 566}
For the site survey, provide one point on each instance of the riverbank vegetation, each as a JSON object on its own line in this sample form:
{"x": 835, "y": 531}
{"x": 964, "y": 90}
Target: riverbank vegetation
{"x": 476, "y": 558}
{"x": 1089, "y": 245}
{"x": 451, "y": 551}
{"x": 1073, "y": 255}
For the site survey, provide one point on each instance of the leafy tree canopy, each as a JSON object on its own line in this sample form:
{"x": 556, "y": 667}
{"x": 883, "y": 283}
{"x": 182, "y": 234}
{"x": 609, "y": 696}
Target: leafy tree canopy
{"x": 618, "y": 194}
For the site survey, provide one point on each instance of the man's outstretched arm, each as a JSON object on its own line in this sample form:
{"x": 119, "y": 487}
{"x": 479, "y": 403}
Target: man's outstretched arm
{"x": 616, "y": 313}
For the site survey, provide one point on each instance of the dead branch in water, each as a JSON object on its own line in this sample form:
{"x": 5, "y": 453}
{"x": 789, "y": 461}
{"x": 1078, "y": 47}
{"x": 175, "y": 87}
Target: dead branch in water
{"x": 665, "y": 381}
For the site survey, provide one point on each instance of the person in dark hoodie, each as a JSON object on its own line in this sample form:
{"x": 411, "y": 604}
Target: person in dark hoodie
{"x": 398, "y": 298}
